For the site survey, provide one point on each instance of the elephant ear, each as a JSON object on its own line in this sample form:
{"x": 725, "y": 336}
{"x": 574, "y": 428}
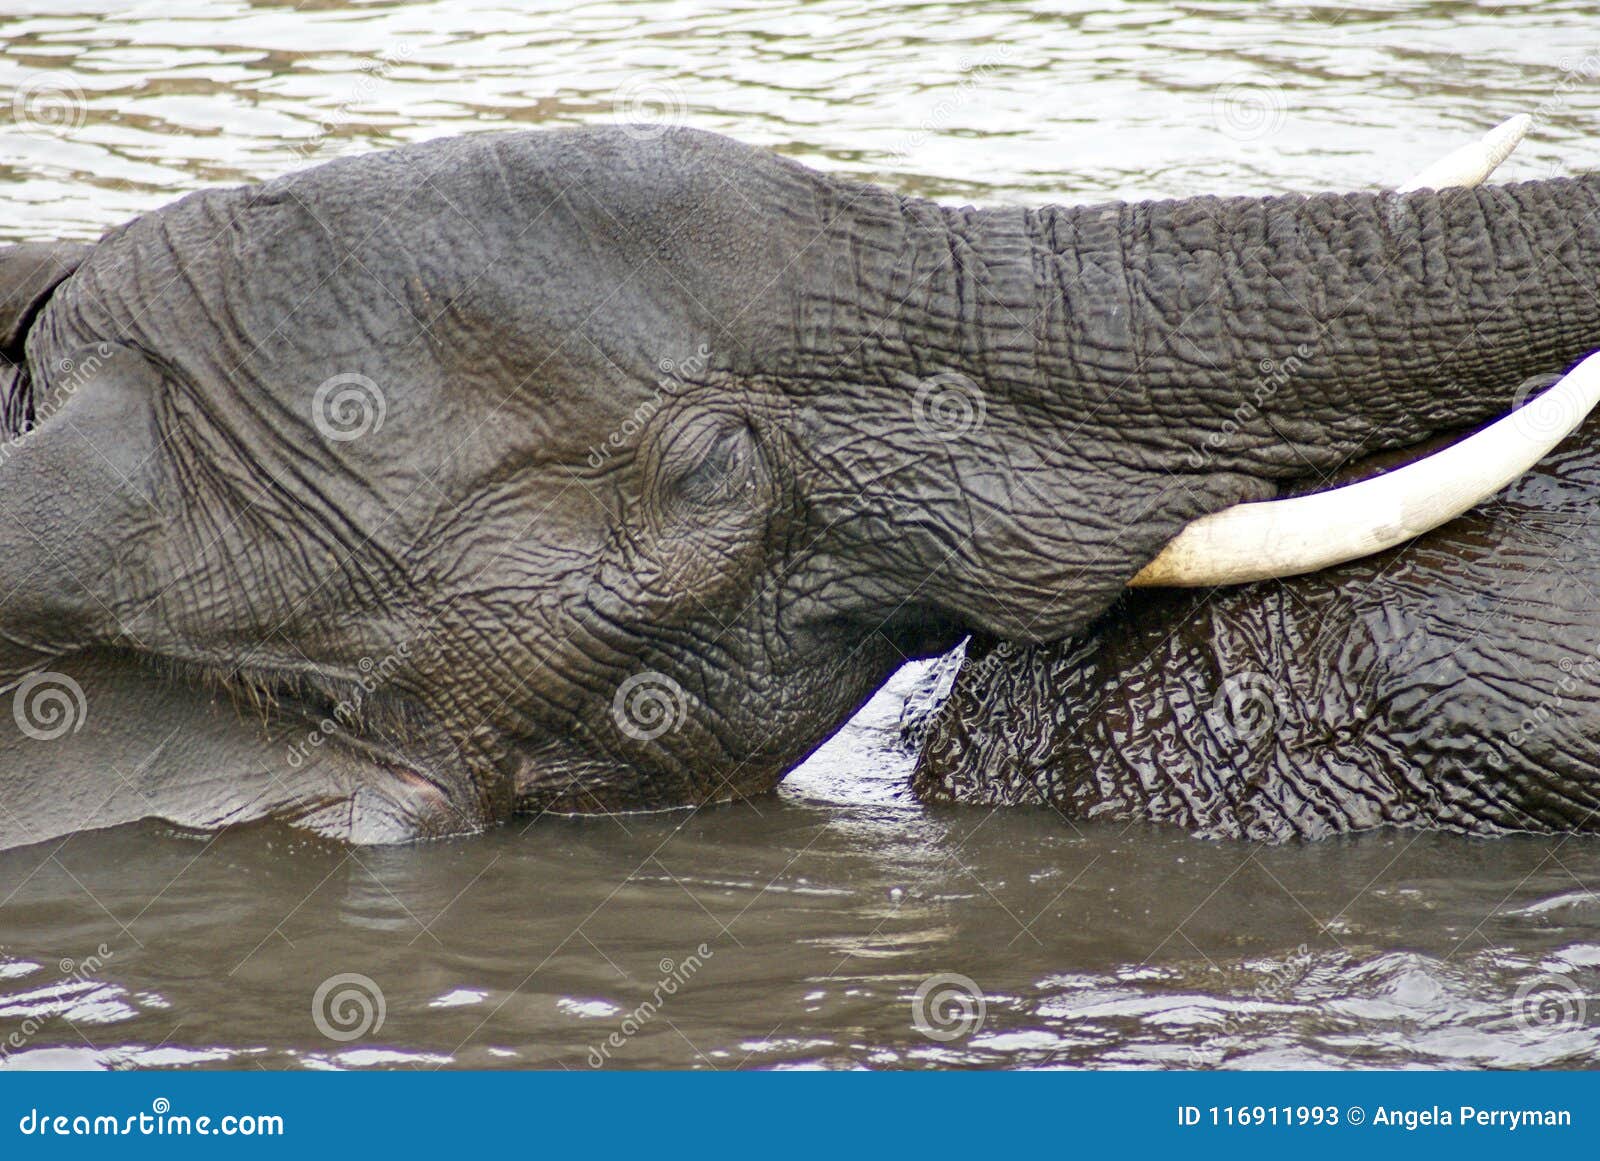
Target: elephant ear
{"x": 29, "y": 274}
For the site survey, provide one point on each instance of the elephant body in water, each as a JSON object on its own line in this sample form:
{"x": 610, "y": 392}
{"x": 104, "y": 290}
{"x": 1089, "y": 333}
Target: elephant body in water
{"x": 597, "y": 469}
{"x": 1451, "y": 683}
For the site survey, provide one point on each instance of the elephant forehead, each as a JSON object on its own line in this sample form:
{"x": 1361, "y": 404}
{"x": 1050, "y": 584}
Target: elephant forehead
{"x": 552, "y": 275}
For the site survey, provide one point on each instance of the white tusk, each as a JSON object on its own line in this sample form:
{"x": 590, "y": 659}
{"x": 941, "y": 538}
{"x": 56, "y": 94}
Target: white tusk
{"x": 1275, "y": 538}
{"x": 1472, "y": 164}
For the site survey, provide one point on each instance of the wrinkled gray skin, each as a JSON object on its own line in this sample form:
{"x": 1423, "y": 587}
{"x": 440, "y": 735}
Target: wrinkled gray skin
{"x": 536, "y": 522}
{"x": 1453, "y": 683}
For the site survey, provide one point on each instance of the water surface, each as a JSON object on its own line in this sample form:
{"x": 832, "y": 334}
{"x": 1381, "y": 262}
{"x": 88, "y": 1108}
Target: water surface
{"x": 799, "y": 930}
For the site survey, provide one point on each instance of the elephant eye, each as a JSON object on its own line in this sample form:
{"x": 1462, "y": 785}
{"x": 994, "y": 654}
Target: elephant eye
{"x": 714, "y": 469}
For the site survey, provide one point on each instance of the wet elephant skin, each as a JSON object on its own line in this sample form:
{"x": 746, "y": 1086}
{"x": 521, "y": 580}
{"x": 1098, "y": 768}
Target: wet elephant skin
{"x": 382, "y": 451}
{"x": 1451, "y": 683}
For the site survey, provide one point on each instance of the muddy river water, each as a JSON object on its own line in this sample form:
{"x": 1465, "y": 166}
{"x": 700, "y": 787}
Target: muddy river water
{"x": 836, "y": 923}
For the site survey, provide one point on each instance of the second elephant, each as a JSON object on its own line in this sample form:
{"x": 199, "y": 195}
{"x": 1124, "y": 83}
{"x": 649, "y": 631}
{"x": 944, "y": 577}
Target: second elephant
{"x": 1453, "y": 683}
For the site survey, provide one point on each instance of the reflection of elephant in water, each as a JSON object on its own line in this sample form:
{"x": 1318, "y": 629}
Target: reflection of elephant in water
{"x": 589, "y": 470}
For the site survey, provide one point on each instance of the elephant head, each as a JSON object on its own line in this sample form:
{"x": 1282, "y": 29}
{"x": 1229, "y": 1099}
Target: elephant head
{"x": 602, "y": 469}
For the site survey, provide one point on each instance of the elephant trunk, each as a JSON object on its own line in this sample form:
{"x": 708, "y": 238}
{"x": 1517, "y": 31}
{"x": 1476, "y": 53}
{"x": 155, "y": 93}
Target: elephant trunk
{"x": 1281, "y": 336}
{"x": 1135, "y": 366}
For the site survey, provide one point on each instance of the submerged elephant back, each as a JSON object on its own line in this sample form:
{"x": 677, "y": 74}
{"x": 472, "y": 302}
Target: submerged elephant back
{"x": 1453, "y": 682}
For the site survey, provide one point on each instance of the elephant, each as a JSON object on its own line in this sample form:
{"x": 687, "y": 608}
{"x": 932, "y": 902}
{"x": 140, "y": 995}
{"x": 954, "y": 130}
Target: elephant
{"x": 613, "y": 468}
{"x": 1452, "y": 683}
